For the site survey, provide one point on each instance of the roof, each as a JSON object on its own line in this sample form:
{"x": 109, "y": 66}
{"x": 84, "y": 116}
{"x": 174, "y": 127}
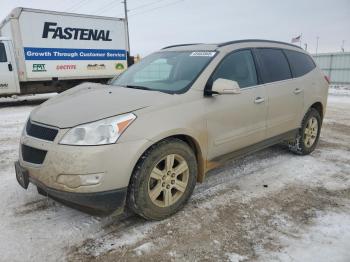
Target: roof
{"x": 16, "y": 12}
{"x": 331, "y": 54}
{"x": 256, "y": 40}
{"x": 213, "y": 47}
{"x": 203, "y": 47}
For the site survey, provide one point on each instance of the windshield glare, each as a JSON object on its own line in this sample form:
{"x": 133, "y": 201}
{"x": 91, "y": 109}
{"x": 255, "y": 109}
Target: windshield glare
{"x": 168, "y": 71}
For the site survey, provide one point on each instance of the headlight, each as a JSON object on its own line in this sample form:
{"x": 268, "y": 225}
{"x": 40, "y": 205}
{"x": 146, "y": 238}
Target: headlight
{"x": 102, "y": 132}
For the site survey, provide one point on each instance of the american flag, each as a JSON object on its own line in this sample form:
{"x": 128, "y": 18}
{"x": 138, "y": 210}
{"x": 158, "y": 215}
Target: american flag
{"x": 296, "y": 39}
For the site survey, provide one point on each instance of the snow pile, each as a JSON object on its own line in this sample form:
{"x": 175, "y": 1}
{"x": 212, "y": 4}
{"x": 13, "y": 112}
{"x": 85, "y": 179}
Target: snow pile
{"x": 339, "y": 90}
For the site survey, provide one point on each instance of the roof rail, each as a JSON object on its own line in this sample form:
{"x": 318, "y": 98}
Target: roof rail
{"x": 170, "y": 46}
{"x": 256, "y": 40}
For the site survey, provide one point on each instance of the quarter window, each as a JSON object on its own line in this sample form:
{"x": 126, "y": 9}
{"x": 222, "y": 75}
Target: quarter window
{"x": 274, "y": 65}
{"x": 300, "y": 63}
{"x": 238, "y": 66}
{"x": 3, "y": 57}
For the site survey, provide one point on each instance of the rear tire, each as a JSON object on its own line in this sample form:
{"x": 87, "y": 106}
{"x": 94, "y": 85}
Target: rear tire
{"x": 309, "y": 133}
{"x": 163, "y": 180}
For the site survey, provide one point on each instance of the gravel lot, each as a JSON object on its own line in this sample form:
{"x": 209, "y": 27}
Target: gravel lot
{"x": 269, "y": 206}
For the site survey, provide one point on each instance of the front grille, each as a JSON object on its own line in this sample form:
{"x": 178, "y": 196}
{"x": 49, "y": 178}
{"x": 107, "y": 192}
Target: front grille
{"x": 33, "y": 155}
{"x": 41, "y": 132}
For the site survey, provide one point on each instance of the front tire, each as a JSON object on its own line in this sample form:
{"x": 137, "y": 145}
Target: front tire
{"x": 309, "y": 133}
{"x": 163, "y": 180}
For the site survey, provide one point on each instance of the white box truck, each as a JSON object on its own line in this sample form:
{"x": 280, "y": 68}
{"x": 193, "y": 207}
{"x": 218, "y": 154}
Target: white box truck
{"x": 44, "y": 51}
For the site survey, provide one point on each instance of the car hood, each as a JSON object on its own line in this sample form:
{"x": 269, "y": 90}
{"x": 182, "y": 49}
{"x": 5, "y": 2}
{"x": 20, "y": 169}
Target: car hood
{"x": 90, "y": 102}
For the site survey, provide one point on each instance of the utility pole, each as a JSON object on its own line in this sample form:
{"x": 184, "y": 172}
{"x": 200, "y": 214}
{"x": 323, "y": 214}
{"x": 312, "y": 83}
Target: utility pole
{"x": 342, "y": 46}
{"x": 127, "y": 22}
{"x": 317, "y": 38}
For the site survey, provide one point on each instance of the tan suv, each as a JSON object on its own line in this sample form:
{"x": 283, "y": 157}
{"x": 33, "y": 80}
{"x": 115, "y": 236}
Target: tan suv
{"x": 146, "y": 139}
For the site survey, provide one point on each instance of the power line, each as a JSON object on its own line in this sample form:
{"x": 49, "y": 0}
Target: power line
{"x": 146, "y": 5}
{"x": 159, "y": 7}
{"x": 125, "y": 2}
{"x": 76, "y": 5}
{"x": 111, "y": 4}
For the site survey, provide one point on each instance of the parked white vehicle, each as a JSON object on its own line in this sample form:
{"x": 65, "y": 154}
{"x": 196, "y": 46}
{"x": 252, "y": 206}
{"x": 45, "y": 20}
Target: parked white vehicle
{"x": 45, "y": 51}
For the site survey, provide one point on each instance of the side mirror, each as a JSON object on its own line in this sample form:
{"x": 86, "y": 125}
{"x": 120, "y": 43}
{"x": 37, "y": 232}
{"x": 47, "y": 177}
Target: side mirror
{"x": 224, "y": 86}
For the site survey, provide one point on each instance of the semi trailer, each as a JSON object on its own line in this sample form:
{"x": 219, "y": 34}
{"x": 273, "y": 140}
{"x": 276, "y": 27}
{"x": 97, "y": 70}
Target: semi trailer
{"x": 44, "y": 51}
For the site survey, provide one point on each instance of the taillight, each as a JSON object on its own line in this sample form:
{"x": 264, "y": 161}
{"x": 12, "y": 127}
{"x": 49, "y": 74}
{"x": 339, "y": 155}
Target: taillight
{"x": 327, "y": 79}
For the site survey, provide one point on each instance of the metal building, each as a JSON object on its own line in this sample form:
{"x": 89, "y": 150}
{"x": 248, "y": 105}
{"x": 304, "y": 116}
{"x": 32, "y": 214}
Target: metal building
{"x": 336, "y": 66}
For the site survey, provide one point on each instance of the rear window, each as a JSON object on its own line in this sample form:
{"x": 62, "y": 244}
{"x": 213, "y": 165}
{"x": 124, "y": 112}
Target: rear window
{"x": 3, "y": 57}
{"x": 274, "y": 65}
{"x": 300, "y": 63}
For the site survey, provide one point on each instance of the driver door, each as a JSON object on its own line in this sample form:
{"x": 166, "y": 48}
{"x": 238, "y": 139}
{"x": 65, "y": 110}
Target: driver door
{"x": 8, "y": 75}
{"x": 235, "y": 121}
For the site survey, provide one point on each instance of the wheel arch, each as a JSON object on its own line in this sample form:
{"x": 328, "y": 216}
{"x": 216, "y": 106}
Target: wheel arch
{"x": 319, "y": 107}
{"x": 192, "y": 143}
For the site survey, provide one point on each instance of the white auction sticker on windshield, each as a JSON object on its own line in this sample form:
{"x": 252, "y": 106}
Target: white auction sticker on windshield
{"x": 203, "y": 54}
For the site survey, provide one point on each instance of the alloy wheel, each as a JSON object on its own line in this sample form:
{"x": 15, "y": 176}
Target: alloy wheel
{"x": 168, "y": 180}
{"x": 310, "y": 132}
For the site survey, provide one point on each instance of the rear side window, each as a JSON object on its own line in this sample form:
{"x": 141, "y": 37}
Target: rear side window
{"x": 274, "y": 65}
{"x": 238, "y": 66}
{"x": 300, "y": 63}
{"x": 3, "y": 57}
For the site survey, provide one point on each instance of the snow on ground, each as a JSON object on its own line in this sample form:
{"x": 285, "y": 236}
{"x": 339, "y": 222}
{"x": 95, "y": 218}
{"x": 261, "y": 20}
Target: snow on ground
{"x": 327, "y": 240}
{"x": 25, "y": 98}
{"x": 269, "y": 206}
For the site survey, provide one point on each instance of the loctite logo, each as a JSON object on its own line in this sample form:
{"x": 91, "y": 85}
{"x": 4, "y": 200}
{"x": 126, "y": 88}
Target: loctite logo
{"x": 66, "y": 67}
{"x": 51, "y": 30}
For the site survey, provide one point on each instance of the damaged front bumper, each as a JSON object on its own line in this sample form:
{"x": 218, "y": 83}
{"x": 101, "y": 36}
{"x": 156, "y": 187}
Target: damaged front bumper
{"x": 105, "y": 202}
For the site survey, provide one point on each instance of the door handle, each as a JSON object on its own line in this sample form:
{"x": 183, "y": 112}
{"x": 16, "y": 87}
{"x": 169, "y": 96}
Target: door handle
{"x": 297, "y": 91}
{"x": 10, "y": 67}
{"x": 259, "y": 100}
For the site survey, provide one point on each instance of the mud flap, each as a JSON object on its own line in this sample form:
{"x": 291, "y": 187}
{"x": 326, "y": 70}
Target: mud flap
{"x": 21, "y": 175}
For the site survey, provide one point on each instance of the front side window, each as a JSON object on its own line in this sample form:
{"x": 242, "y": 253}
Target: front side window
{"x": 3, "y": 57}
{"x": 167, "y": 71}
{"x": 300, "y": 63}
{"x": 238, "y": 66}
{"x": 274, "y": 65}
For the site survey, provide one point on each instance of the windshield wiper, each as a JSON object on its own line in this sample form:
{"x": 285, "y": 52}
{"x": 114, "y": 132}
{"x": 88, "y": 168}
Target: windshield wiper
{"x": 138, "y": 87}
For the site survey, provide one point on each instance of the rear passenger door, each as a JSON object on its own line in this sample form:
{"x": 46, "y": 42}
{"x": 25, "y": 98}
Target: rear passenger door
{"x": 285, "y": 97}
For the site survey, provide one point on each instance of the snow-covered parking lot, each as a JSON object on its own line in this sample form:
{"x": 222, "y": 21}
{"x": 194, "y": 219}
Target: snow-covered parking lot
{"x": 269, "y": 206}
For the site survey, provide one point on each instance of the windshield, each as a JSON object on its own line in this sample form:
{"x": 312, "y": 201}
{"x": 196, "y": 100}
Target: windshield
{"x": 168, "y": 71}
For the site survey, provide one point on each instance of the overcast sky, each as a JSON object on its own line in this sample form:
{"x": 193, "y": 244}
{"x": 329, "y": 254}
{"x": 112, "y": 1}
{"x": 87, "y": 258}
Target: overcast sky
{"x": 157, "y": 23}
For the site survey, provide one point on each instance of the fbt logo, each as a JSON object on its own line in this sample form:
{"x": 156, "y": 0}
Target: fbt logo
{"x": 66, "y": 67}
{"x": 39, "y": 68}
